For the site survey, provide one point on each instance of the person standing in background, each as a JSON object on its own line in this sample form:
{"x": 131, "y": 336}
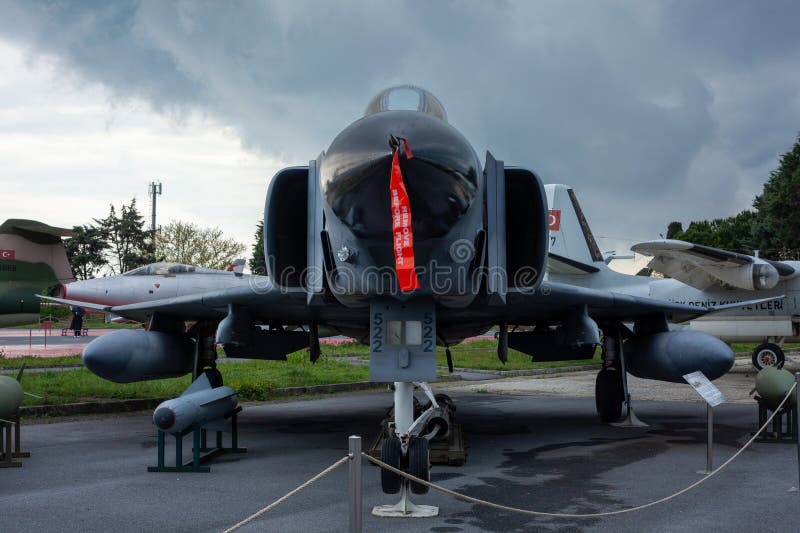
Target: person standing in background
{"x": 77, "y": 320}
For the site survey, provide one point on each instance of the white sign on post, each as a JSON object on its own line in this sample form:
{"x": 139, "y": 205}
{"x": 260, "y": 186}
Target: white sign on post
{"x": 710, "y": 393}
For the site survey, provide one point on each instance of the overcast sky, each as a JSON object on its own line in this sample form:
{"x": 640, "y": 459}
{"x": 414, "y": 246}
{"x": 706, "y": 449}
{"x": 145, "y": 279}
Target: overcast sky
{"x": 652, "y": 111}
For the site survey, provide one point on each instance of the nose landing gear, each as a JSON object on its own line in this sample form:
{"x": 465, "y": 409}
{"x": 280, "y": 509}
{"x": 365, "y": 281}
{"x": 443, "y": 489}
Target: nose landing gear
{"x": 407, "y": 449}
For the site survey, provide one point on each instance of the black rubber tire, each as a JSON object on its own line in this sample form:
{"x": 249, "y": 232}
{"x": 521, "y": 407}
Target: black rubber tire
{"x": 768, "y": 354}
{"x": 214, "y": 377}
{"x": 608, "y": 395}
{"x": 419, "y": 464}
{"x": 391, "y": 452}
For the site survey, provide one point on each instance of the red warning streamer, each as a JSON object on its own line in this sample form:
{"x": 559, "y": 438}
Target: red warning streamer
{"x": 401, "y": 225}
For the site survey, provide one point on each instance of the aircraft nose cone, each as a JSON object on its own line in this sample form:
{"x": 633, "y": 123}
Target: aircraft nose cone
{"x": 442, "y": 178}
{"x": 164, "y": 418}
{"x": 103, "y": 357}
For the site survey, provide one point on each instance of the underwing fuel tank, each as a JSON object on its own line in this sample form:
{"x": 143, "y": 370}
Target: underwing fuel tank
{"x": 669, "y": 355}
{"x": 200, "y": 403}
{"x": 128, "y": 355}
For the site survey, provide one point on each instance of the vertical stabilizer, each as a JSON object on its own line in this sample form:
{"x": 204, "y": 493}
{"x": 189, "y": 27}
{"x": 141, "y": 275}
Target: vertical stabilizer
{"x": 32, "y": 259}
{"x": 570, "y": 235}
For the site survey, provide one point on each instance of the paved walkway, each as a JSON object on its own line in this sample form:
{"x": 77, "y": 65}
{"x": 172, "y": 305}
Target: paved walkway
{"x": 15, "y": 342}
{"x": 736, "y": 385}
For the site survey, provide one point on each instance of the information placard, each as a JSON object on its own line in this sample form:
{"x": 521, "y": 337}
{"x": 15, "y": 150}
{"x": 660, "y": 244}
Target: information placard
{"x": 710, "y": 393}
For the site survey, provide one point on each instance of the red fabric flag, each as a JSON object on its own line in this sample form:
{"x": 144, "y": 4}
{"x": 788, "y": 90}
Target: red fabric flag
{"x": 401, "y": 225}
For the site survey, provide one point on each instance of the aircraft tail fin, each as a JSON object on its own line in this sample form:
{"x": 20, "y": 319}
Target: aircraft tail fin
{"x": 571, "y": 239}
{"x": 32, "y": 247}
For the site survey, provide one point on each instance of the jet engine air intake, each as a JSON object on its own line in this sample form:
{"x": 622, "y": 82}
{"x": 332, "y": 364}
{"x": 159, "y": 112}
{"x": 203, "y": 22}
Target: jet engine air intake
{"x": 526, "y": 228}
{"x": 286, "y": 227}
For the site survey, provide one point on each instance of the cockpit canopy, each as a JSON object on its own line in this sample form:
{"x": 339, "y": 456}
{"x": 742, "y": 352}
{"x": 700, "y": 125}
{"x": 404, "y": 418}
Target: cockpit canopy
{"x": 406, "y": 98}
{"x": 168, "y": 269}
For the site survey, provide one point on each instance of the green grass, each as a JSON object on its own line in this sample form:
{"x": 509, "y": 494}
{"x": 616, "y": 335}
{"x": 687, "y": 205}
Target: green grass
{"x": 251, "y": 379}
{"x": 748, "y": 347}
{"x": 33, "y": 361}
{"x": 482, "y": 355}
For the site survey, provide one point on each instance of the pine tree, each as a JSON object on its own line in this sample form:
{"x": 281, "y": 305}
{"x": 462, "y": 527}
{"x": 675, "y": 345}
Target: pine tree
{"x": 257, "y": 263}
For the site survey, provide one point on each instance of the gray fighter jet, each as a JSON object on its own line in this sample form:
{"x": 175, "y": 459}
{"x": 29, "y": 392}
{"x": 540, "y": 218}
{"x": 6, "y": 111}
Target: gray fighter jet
{"x": 698, "y": 276}
{"x": 398, "y": 236}
{"x": 156, "y": 281}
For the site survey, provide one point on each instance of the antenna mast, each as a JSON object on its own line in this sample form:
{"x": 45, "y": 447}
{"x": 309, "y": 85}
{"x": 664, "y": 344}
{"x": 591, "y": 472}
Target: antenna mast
{"x": 154, "y": 190}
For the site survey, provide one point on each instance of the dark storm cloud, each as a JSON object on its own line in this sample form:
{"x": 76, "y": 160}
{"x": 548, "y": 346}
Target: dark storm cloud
{"x": 630, "y": 102}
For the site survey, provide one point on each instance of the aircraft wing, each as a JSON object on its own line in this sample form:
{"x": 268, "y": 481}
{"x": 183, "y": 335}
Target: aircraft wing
{"x": 552, "y": 298}
{"x": 703, "y": 266}
{"x": 76, "y": 303}
{"x": 267, "y": 303}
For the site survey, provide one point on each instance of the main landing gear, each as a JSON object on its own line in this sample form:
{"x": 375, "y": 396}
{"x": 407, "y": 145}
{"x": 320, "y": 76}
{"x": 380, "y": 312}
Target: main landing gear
{"x": 768, "y": 354}
{"x": 611, "y": 386}
{"x": 407, "y": 447}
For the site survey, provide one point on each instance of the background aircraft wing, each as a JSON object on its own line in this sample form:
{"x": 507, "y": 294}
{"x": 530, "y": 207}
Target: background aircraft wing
{"x": 85, "y": 305}
{"x": 703, "y": 266}
{"x": 267, "y": 303}
{"x": 552, "y": 298}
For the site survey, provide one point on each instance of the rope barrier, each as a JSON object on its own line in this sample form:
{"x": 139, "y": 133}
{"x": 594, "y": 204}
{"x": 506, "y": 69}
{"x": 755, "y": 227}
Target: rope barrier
{"x": 288, "y": 495}
{"x": 501, "y": 507}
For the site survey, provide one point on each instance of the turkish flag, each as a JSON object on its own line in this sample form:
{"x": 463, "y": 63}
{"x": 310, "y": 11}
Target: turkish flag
{"x": 6, "y": 254}
{"x": 554, "y": 217}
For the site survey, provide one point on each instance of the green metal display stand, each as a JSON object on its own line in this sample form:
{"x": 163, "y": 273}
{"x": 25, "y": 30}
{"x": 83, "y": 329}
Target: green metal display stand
{"x": 199, "y": 444}
{"x": 7, "y": 452}
{"x": 784, "y": 428}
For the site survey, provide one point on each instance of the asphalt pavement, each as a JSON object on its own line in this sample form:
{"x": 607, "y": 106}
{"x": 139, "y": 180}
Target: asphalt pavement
{"x": 540, "y": 453}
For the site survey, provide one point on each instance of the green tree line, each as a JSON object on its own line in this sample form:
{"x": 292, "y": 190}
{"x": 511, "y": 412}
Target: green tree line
{"x": 119, "y": 242}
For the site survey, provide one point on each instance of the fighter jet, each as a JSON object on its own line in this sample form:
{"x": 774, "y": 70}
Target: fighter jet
{"x": 698, "y": 276}
{"x": 155, "y": 281}
{"x": 398, "y": 236}
{"x": 711, "y": 276}
{"x": 32, "y": 259}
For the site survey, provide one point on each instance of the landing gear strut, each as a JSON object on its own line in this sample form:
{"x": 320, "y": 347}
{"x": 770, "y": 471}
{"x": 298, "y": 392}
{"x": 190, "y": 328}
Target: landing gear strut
{"x": 408, "y": 450}
{"x": 205, "y": 353}
{"x": 611, "y": 386}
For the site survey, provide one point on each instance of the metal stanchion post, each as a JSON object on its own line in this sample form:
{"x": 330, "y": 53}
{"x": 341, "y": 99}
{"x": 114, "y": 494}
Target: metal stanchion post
{"x": 797, "y": 423}
{"x": 355, "y": 483}
{"x": 709, "y": 451}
